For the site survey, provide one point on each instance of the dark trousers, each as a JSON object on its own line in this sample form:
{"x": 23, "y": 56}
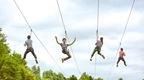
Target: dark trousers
{"x": 29, "y": 50}
{"x": 96, "y": 49}
{"x": 121, "y": 58}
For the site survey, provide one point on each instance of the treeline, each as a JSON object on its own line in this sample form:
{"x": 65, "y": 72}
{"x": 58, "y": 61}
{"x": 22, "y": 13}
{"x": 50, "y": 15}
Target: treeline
{"x": 13, "y": 67}
{"x": 50, "y": 75}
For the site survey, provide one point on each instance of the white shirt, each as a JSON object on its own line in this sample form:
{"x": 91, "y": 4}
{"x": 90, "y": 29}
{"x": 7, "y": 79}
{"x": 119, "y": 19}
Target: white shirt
{"x": 99, "y": 43}
{"x": 28, "y": 43}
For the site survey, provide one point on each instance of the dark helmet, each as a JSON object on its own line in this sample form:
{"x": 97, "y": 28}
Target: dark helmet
{"x": 28, "y": 36}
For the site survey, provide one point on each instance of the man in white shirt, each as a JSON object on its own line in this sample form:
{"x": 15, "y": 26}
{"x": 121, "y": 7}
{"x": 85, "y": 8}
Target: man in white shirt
{"x": 64, "y": 48}
{"x": 28, "y": 43}
{"x": 98, "y": 44}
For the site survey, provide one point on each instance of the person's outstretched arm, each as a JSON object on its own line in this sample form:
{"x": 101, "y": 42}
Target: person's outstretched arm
{"x": 72, "y": 42}
{"x": 57, "y": 40}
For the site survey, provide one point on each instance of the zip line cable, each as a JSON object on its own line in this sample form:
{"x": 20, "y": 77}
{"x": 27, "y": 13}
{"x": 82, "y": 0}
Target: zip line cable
{"x": 97, "y": 30}
{"x": 66, "y": 35}
{"x": 23, "y": 16}
{"x": 127, "y": 21}
{"x": 124, "y": 30}
{"x": 123, "y": 34}
{"x": 62, "y": 18}
{"x": 31, "y": 32}
{"x": 36, "y": 35}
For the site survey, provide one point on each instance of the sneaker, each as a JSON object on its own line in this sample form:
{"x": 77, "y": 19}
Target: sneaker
{"x": 36, "y": 61}
{"x": 103, "y": 56}
{"x": 62, "y": 60}
{"x": 90, "y": 59}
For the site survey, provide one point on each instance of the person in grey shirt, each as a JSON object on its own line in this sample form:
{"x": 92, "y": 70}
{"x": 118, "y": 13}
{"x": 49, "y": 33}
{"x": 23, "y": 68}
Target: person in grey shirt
{"x": 64, "y": 46}
{"x": 28, "y": 43}
{"x": 98, "y": 44}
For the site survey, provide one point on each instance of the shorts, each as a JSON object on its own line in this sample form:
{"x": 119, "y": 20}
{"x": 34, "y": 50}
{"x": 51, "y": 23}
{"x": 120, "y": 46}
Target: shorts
{"x": 64, "y": 51}
{"x": 29, "y": 50}
{"x": 121, "y": 58}
{"x": 97, "y": 48}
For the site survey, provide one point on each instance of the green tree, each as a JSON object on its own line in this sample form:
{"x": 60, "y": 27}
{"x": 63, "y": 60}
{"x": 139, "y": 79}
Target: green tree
{"x": 60, "y": 76}
{"x": 36, "y": 71}
{"x": 50, "y": 75}
{"x": 73, "y": 77}
{"x": 85, "y": 76}
{"x": 120, "y": 79}
{"x": 4, "y": 49}
{"x": 90, "y": 77}
{"x": 99, "y": 79}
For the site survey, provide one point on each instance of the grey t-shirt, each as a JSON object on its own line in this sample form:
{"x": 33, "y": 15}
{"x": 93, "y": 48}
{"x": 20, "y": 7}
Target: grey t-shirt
{"x": 99, "y": 44}
{"x": 28, "y": 43}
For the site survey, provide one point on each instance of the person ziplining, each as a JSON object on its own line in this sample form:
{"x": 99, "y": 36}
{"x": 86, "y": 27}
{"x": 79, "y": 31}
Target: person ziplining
{"x": 28, "y": 43}
{"x": 121, "y": 57}
{"x": 64, "y": 47}
{"x": 98, "y": 44}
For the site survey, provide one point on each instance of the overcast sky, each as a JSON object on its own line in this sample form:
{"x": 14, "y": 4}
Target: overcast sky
{"x": 80, "y": 17}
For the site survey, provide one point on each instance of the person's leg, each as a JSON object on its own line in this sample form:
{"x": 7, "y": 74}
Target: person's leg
{"x": 124, "y": 61}
{"x": 26, "y": 52}
{"x": 99, "y": 52}
{"x": 68, "y": 56}
{"x": 33, "y": 53}
{"x": 95, "y": 49}
{"x": 118, "y": 61}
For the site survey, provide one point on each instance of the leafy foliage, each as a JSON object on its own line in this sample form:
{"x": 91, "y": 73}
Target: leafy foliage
{"x": 85, "y": 77}
{"x": 50, "y": 75}
{"x": 120, "y": 79}
{"x": 36, "y": 71}
{"x": 73, "y": 77}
